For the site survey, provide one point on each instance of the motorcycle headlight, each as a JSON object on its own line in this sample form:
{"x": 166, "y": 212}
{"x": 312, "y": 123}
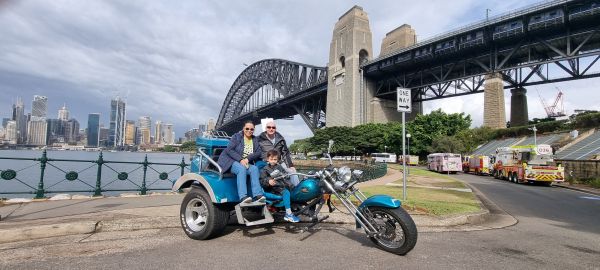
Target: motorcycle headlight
{"x": 344, "y": 174}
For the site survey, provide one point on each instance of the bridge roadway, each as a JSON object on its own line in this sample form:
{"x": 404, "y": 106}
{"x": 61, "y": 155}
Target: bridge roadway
{"x": 556, "y": 229}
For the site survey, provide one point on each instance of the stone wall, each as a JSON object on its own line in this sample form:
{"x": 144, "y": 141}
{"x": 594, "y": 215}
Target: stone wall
{"x": 581, "y": 169}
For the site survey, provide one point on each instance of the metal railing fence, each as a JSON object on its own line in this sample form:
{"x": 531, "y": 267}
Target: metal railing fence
{"x": 110, "y": 176}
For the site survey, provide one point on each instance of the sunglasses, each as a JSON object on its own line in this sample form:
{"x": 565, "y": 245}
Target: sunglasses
{"x": 251, "y": 129}
{"x": 269, "y": 127}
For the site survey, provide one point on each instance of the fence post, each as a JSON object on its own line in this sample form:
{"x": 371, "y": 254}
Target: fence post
{"x": 182, "y": 165}
{"x": 98, "y": 190}
{"x": 40, "y": 191}
{"x": 143, "y": 190}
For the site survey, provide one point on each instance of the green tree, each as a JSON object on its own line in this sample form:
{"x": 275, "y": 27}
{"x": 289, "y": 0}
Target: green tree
{"x": 446, "y": 144}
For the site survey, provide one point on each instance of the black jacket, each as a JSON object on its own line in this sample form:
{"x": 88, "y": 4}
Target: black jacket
{"x": 279, "y": 145}
{"x": 265, "y": 175}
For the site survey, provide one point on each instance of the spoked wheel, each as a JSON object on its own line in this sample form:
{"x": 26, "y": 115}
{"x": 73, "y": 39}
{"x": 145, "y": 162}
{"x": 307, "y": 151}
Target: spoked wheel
{"x": 397, "y": 230}
{"x": 200, "y": 218}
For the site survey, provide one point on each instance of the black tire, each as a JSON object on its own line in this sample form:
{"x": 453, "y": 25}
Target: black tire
{"x": 215, "y": 216}
{"x": 402, "y": 218}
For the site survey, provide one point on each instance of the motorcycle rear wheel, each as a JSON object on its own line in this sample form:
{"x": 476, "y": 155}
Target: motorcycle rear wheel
{"x": 398, "y": 232}
{"x": 200, "y": 218}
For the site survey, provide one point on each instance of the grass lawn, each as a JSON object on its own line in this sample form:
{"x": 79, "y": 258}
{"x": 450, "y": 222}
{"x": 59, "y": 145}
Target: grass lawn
{"x": 425, "y": 177}
{"x": 437, "y": 202}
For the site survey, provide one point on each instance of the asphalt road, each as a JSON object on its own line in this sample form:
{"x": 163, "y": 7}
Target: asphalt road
{"x": 557, "y": 229}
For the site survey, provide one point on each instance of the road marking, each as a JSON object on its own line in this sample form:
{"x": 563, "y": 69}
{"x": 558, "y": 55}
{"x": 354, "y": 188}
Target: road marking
{"x": 590, "y": 198}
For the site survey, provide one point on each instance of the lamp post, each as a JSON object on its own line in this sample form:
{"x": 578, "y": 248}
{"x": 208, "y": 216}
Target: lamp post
{"x": 534, "y": 134}
{"x": 353, "y": 153}
{"x": 385, "y": 147}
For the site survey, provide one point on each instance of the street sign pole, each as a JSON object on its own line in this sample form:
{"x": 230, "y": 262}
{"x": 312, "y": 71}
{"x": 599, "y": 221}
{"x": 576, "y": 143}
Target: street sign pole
{"x": 403, "y": 157}
{"x": 403, "y": 96}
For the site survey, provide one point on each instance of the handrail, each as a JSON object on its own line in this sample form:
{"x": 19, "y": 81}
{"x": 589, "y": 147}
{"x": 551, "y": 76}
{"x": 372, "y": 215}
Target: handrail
{"x": 212, "y": 162}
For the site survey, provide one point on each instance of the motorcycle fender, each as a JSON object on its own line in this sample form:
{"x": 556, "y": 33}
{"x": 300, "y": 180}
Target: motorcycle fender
{"x": 186, "y": 180}
{"x": 384, "y": 201}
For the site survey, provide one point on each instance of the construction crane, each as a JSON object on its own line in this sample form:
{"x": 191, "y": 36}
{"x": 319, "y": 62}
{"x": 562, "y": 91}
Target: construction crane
{"x": 557, "y": 108}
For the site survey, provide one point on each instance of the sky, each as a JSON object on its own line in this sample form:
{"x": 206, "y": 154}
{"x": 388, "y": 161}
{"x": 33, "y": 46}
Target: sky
{"x": 176, "y": 60}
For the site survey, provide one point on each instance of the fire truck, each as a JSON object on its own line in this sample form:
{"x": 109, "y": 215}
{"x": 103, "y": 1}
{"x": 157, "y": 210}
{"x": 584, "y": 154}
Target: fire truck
{"x": 528, "y": 163}
{"x": 479, "y": 165}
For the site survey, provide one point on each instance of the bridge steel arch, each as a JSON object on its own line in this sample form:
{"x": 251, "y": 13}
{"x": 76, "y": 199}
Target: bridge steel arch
{"x": 293, "y": 81}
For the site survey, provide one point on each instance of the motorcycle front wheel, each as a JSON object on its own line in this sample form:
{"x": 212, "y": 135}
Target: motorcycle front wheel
{"x": 397, "y": 230}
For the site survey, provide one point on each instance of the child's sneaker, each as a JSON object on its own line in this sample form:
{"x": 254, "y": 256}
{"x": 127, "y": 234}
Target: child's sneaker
{"x": 291, "y": 218}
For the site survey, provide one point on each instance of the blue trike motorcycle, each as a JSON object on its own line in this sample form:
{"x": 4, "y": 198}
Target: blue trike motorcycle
{"x": 212, "y": 196}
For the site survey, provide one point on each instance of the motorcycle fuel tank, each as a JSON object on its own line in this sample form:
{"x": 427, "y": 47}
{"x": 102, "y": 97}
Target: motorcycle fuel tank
{"x": 306, "y": 190}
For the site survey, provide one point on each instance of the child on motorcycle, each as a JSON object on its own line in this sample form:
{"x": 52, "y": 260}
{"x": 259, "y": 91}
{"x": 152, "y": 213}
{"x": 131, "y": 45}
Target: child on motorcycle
{"x": 280, "y": 187}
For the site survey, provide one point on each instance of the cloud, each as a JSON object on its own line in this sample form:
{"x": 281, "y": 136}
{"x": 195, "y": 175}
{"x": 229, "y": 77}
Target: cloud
{"x": 176, "y": 60}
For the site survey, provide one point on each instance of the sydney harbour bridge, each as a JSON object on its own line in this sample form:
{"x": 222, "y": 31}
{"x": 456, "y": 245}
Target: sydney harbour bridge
{"x": 544, "y": 43}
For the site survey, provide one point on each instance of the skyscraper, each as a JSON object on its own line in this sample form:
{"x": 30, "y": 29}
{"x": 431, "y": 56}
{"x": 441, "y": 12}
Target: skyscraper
{"x": 93, "y": 130}
{"x": 130, "y": 132}
{"x": 145, "y": 125}
{"x": 116, "y": 136}
{"x": 37, "y": 131}
{"x": 55, "y": 131}
{"x": 168, "y": 134}
{"x": 71, "y": 131}
{"x": 158, "y": 133}
{"x": 11, "y": 132}
{"x": 211, "y": 125}
{"x": 63, "y": 113}
{"x": 20, "y": 119}
{"x": 39, "y": 108}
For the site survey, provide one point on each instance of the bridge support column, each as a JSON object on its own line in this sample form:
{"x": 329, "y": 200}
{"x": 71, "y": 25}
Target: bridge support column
{"x": 350, "y": 46}
{"x": 519, "y": 115}
{"x": 494, "y": 111}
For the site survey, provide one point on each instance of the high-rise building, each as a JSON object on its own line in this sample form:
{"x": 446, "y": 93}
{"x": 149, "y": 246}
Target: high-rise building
{"x": 116, "y": 137}
{"x": 129, "y": 132}
{"x": 168, "y": 134}
{"x": 211, "y": 125}
{"x": 72, "y": 131}
{"x": 11, "y": 132}
{"x": 5, "y": 121}
{"x": 63, "y": 113}
{"x": 103, "y": 136}
{"x": 39, "y": 108}
{"x": 158, "y": 131}
{"x": 18, "y": 115}
{"x": 202, "y": 128}
{"x": 192, "y": 134}
{"x": 93, "y": 130}
{"x": 37, "y": 131}
{"x": 55, "y": 131}
{"x": 145, "y": 127}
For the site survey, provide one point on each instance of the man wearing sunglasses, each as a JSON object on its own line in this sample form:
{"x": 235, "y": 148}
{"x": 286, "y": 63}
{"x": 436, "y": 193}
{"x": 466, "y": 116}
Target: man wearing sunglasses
{"x": 271, "y": 139}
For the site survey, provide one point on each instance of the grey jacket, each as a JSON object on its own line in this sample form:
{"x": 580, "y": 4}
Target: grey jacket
{"x": 280, "y": 145}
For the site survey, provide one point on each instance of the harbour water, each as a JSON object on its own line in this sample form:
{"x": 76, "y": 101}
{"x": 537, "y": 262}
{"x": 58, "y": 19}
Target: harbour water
{"x": 26, "y": 182}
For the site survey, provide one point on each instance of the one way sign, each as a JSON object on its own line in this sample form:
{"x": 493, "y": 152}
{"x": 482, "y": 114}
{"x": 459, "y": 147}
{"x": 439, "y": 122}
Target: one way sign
{"x": 404, "y": 100}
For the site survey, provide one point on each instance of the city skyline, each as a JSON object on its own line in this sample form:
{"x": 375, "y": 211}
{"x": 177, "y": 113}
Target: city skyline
{"x": 41, "y": 130}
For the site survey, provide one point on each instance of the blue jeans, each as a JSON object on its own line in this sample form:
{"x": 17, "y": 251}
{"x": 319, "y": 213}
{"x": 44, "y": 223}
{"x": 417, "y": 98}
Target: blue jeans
{"x": 240, "y": 171}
